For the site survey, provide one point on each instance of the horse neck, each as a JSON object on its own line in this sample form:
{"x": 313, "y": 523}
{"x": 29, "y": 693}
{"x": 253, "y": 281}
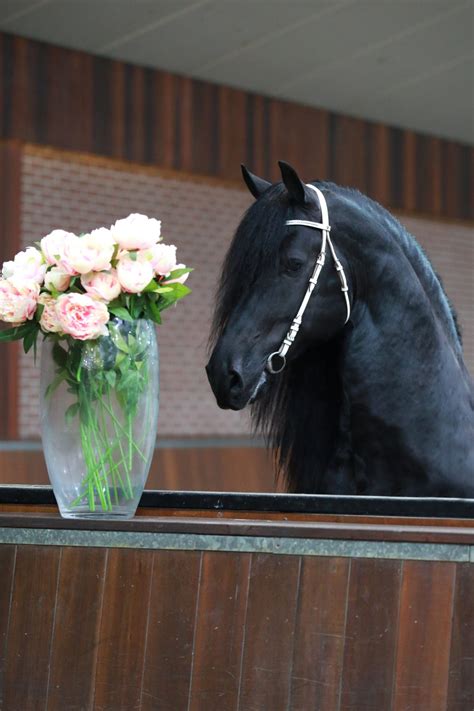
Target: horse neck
{"x": 402, "y": 369}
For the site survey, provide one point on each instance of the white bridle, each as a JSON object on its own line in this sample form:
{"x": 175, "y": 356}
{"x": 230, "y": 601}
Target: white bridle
{"x": 325, "y": 228}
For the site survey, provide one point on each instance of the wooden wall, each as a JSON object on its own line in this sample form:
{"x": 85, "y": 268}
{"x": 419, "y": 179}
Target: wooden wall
{"x": 90, "y": 628}
{"x": 70, "y": 99}
{"x": 190, "y": 469}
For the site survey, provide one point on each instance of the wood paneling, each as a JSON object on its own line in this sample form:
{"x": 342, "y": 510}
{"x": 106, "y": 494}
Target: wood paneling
{"x": 7, "y": 570}
{"x": 69, "y": 99}
{"x": 123, "y": 630}
{"x": 77, "y": 626}
{"x": 179, "y": 630}
{"x": 320, "y": 634}
{"x": 269, "y": 632}
{"x": 461, "y": 665}
{"x": 30, "y": 629}
{"x": 426, "y": 609}
{"x": 370, "y": 635}
{"x": 199, "y": 468}
{"x": 10, "y": 238}
{"x": 219, "y": 631}
{"x": 171, "y": 624}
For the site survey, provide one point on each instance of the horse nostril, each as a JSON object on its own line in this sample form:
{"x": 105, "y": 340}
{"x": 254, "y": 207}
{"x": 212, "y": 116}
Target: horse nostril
{"x": 235, "y": 381}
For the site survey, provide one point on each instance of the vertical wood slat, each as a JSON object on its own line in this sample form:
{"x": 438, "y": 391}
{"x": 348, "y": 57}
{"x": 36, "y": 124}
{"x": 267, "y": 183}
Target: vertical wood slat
{"x": 371, "y": 635}
{"x": 220, "y": 620}
{"x": 71, "y": 100}
{"x": 269, "y": 639}
{"x": 7, "y": 572}
{"x": 76, "y": 628}
{"x": 319, "y": 634}
{"x": 123, "y": 629}
{"x": 32, "y": 612}
{"x": 10, "y": 243}
{"x": 426, "y": 607}
{"x": 461, "y": 663}
{"x": 170, "y": 637}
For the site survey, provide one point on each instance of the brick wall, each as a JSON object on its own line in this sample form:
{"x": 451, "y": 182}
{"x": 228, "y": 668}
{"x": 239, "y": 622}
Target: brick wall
{"x": 75, "y": 195}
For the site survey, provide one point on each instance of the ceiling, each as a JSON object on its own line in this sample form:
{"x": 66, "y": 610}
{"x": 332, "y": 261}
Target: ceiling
{"x": 407, "y": 63}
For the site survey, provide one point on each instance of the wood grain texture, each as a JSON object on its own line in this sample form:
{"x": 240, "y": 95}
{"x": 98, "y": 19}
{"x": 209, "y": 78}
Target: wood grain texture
{"x": 370, "y": 635}
{"x": 10, "y": 244}
{"x": 319, "y": 634}
{"x": 7, "y": 571}
{"x": 70, "y": 99}
{"x": 123, "y": 630}
{"x": 219, "y": 632}
{"x": 171, "y": 624}
{"x": 426, "y": 608}
{"x": 269, "y": 632}
{"x": 76, "y": 633}
{"x": 32, "y": 612}
{"x": 199, "y": 468}
{"x": 461, "y": 664}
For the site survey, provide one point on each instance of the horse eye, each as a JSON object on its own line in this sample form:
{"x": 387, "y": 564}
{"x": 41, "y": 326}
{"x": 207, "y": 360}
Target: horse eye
{"x": 293, "y": 265}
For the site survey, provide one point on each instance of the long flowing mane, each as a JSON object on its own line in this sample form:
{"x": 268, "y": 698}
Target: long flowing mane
{"x": 308, "y": 396}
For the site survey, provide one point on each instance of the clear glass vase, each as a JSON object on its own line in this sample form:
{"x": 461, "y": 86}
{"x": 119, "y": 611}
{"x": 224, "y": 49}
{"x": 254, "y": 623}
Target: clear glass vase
{"x": 99, "y": 415}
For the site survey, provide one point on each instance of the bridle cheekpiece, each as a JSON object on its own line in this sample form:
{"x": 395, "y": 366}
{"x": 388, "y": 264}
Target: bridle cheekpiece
{"x": 274, "y": 365}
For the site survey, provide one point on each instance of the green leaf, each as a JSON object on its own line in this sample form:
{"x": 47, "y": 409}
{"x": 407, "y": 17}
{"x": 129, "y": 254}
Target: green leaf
{"x": 111, "y": 377}
{"x": 30, "y": 339}
{"x": 16, "y": 333}
{"x": 39, "y": 311}
{"x": 178, "y": 273}
{"x": 71, "y": 412}
{"x": 152, "y": 286}
{"x": 180, "y": 290}
{"x": 59, "y": 355}
{"x": 152, "y": 311}
{"x": 120, "y": 312}
{"x": 118, "y": 339}
{"x": 55, "y": 383}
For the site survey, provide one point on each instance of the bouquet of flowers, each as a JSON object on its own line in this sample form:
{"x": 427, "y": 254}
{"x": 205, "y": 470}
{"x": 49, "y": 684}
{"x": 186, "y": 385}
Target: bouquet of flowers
{"x": 87, "y": 295}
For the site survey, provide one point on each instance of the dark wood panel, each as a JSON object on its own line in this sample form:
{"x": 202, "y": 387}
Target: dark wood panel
{"x": 319, "y": 634}
{"x": 218, "y": 637}
{"x": 10, "y": 240}
{"x": 269, "y": 632}
{"x": 171, "y": 624}
{"x": 7, "y": 569}
{"x": 426, "y": 608}
{"x": 461, "y": 665}
{"x": 31, "y": 626}
{"x": 370, "y": 635}
{"x": 69, "y": 99}
{"x": 123, "y": 629}
{"x": 76, "y": 636}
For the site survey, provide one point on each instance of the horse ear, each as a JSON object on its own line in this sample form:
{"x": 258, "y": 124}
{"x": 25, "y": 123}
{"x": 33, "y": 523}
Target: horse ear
{"x": 293, "y": 184}
{"x": 256, "y": 185}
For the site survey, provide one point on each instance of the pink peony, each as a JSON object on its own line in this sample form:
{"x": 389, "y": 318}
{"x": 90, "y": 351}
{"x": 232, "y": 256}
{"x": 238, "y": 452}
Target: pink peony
{"x": 28, "y": 265}
{"x": 136, "y": 232}
{"x": 82, "y": 317}
{"x": 178, "y": 280}
{"x": 163, "y": 258}
{"x": 49, "y": 319}
{"x": 102, "y": 285}
{"x": 90, "y": 253}
{"x": 18, "y": 299}
{"x": 52, "y": 245}
{"x": 57, "y": 280}
{"x": 134, "y": 275}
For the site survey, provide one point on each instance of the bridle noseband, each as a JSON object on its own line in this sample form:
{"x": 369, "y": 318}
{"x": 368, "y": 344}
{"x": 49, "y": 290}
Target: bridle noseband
{"x": 274, "y": 365}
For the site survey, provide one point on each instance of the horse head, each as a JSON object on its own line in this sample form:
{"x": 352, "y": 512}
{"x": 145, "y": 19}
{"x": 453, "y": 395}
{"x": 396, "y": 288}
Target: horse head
{"x": 265, "y": 278}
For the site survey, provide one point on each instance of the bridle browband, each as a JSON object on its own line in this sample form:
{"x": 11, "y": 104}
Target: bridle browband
{"x": 325, "y": 228}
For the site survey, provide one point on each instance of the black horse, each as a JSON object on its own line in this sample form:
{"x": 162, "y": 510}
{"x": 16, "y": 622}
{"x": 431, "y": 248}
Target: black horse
{"x": 380, "y": 405}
